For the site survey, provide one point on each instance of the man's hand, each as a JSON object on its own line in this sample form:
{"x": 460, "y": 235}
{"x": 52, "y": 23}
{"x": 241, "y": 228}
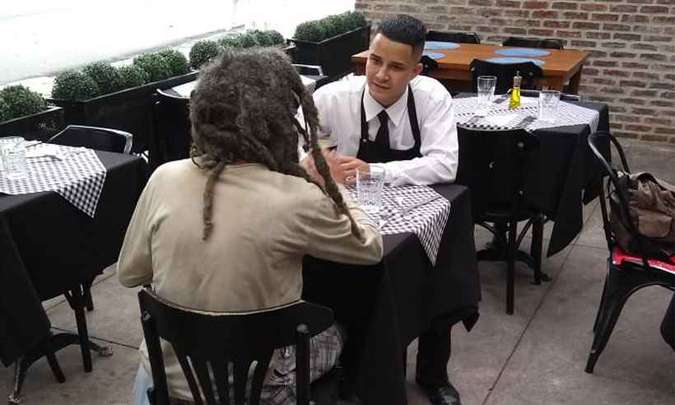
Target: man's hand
{"x": 347, "y": 167}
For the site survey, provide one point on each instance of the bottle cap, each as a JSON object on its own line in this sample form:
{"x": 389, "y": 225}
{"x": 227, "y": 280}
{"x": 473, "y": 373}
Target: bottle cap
{"x": 517, "y": 79}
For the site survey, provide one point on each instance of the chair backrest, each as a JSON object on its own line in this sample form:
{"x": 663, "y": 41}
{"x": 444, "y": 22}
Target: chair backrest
{"x": 172, "y": 128}
{"x": 212, "y": 347}
{"x": 308, "y": 70}
{"x": 107, "y": 139}
{"x": 459, "y": 37}
{"x": 492, "y": 165}
{"x": 505, "y": 73}
{"x": 547, "y": 43}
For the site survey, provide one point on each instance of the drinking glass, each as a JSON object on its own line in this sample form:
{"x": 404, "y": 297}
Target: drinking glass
{"x": 369, "y": 185}
{"x": 486, "y": 90}
{"x": 13, "y": 154}
{"x": 548, "y": 103}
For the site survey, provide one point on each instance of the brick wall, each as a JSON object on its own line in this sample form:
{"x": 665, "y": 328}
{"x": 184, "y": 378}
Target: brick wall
{"x": 631, "y": 43}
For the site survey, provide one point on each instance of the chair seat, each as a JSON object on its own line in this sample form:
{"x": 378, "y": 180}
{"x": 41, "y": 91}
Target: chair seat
{"x": 620, "y": 256}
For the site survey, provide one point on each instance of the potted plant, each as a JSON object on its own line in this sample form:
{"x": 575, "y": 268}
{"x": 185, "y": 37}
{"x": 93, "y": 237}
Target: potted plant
{"x": 25, "y": 113}
{"x": 331, "y": 42}
{"x": 203, "y": 51}
{"x": 120, "y": 98}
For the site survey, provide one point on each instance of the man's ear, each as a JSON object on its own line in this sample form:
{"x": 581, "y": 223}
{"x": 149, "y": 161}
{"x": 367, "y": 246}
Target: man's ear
{"x": 417, "y": 70}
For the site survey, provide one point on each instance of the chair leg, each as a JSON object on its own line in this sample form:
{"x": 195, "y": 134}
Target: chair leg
{"x": 598, "y": 315}
{"x": 89, "y": 303}
{"x": 19, "y": 376}
{"x": 536, "y": 246}
{"x": 77, "y": 303}
{"x": 510, "y": 266}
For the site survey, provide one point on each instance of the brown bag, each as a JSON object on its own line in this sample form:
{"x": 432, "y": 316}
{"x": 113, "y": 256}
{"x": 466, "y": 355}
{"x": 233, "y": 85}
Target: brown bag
{"x": 651, "y": 206}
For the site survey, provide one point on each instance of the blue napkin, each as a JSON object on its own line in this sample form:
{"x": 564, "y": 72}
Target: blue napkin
{"x": 516, "y": 60}
{"x": 433, "y": 55}
{"x": 431, "y": 45}
{"x": 527, "y": 52}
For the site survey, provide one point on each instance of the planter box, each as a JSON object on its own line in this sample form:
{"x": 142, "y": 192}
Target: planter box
{"x": 129, "y": 110}
{"x": 333, "y": 54}
{"x": 39, "y": 126}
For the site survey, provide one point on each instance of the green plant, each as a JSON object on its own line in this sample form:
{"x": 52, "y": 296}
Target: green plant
{"x": 276, "y": 37}
{"x": 106, "y": 77}
{"x": 336, "y": 25}
{"x": 261, "y": 38}
{"x": 313, "y": 31}
{"x": 178, "y": 63}
{"x": 354, "y": 20}
{"x": 248, "y": 40}
{"x": 4, "y": 111}
{"x": 230, "y": 41}
{"x": 20, "y": 100}
{"x": 202, "y": 52}
{"x": 155, "y": 65}
{"x": 72, "y": 85}
{"x": 132, "y": 76}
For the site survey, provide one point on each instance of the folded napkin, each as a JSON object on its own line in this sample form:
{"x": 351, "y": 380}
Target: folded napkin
{"x": 501, "y": 120}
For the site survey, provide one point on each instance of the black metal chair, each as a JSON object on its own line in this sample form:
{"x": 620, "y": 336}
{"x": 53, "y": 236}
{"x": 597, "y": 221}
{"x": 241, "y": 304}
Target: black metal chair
{"x": 106, "y": 139}
{"x": 172, "y": 129}
{"x": 206, "y": 341}
{"x": 505, "y": 73}
{"x": 492, "y": 165}
{"x": 627, "y": 272}
{"x": 547, "y": 43}
{"x": 458, "y": 37}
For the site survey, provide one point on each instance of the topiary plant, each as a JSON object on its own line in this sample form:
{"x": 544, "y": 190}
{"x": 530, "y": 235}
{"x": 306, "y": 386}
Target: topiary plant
{"x": 155, "y": 65}
{"x": 248, "y": 40}
{"x": 313, "y": 31}
{"x": 230, "y": 41}
{"x": 20, "y": 101}
{"x": 276, "y": 37}
{"x": 354, "y": 20}
{"x": 132, "y": 76}
{"x": 4, "y": 111}
{"x": 106, "y": 77}
{"x": 339, "y": 23}
{"x": 178, "y": 63}
{"x": 72, "y": 85}
{"x": 202, "y": 52}
{"x": 262, "y": 38}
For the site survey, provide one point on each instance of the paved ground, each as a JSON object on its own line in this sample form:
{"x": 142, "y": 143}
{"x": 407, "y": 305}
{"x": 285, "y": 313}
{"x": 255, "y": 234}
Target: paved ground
{"x": 535, "y": 356}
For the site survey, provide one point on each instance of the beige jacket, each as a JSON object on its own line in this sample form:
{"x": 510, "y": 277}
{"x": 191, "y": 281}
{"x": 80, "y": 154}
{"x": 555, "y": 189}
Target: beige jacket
{"x": 264, "y": 222}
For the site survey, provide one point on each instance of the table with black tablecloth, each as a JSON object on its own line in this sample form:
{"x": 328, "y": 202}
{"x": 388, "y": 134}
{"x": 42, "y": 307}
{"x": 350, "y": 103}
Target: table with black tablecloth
{"x": 48, "y": 246}
{"x": 386, "y": 306}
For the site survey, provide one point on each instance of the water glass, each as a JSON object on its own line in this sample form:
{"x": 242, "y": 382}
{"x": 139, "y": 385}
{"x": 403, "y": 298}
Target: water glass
{"x": 369, "y": 185}
{"x": 13, "y": 154}
{"x": 486, "y": 90}
{"x": 548, "y": 104}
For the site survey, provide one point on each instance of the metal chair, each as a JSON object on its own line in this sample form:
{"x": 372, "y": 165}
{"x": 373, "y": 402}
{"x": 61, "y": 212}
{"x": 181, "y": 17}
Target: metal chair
{"x": 505, "y": 73}
{"x": 105, "y": 139}
{"x": 458, "y": 37}
{"x": 213, "y": 341}
{"x": 546, "y": 43}
{"x": 627, "y": 272}
{"x": 172, "y": 138}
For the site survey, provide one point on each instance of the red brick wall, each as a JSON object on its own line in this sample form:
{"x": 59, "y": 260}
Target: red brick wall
{"x": 631, "y": 44}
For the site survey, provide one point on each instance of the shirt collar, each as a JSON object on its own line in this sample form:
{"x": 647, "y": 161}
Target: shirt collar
{"x": 395, "y": 111}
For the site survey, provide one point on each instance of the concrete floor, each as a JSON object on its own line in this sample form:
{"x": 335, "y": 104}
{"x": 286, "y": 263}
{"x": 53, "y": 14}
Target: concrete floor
{"x": 535, "y": 356}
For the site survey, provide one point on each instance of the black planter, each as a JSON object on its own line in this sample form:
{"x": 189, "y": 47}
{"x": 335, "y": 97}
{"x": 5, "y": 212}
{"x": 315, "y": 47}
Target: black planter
{"x": 334, "y": 55}
{"x": 39, "y": 126}
{"x": 129, "y": 110}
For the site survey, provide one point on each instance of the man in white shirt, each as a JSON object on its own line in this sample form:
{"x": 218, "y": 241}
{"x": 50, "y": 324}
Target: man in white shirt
{"x": 403, "y": 122}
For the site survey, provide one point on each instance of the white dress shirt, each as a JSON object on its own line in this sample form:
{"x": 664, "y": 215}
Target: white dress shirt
{"x": 339, "y": 105}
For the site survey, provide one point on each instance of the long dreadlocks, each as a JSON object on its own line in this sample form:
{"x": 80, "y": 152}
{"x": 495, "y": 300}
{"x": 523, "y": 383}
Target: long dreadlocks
{"x": 243, "y": 109}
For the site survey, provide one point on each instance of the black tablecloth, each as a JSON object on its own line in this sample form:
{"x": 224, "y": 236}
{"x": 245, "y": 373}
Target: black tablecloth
{"x": 386, "y": 306}
{"x": 48, "y": 246}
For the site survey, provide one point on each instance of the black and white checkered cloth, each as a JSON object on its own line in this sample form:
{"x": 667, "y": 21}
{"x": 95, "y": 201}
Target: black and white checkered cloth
{"x": 427, "y": 220}
{"x": 499, "y": 117}
{"x": 77, "y": 175}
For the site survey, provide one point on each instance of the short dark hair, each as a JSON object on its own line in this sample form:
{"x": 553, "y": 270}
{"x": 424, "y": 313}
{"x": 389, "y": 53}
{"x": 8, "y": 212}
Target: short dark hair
{"x": 404, "y": 29}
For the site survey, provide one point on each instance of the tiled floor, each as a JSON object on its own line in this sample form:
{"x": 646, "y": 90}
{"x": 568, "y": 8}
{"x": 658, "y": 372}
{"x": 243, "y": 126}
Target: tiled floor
{"x": 535, "y": 356}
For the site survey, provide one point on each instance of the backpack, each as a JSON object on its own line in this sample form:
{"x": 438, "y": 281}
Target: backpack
{"x": 651, "y": 207}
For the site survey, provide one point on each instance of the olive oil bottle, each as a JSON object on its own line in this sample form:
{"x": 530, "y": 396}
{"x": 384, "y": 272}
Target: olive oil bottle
{"x": 514, "y": 101}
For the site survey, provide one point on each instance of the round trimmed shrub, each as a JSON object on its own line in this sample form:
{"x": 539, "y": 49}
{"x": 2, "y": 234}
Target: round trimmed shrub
{"x": 354, "y": 20}
{"x": 248, "y": 40}
{"x": 155, "y": 65}
{"x": 276, "y": 37}
{"x": 132, "y": 76}
{"x": 333, "y": 25}
{"x": 202, "y": 52}
{"x": 262, "y": 38}
{"x": 20, "y": 101}
{"x": 73, "y": 85}
{"x": 106, "y": 77}
{"x": 178, "y": 63}
{"x": 230, "y": 41}
{"x": 4, "y": 111}
{"x": 313, "y": 31}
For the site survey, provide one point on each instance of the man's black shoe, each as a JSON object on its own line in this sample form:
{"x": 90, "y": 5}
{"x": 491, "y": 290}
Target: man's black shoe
{"x": 444, "y": 395}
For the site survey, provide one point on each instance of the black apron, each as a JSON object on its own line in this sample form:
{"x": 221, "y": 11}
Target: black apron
{"x": 371, "y": 152}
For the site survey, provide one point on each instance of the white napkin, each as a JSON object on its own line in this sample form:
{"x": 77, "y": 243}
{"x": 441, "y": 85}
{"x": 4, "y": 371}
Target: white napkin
{"x": 501, "y": 120}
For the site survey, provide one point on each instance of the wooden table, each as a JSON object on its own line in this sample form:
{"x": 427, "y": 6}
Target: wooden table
{"x": 560, "y": 65}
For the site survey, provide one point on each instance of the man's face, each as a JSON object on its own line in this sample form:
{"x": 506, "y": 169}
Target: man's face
{"x": 390, "y": 67}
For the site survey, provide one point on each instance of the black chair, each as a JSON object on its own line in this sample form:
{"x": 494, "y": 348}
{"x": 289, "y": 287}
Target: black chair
{"x": 106, "y": 139}
{"x": 172, "y": 137}
{"x": 547, "y": 43}
{"x": 458, "y": 37}
{"x": 627, "y": 272}
{"x": 492, "y": 165}
{"x": 505, "y": 73}
{"x": 208, "y": 340}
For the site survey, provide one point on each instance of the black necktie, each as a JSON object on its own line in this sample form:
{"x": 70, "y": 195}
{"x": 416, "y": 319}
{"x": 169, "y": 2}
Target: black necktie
{"x": 382, "y": 137}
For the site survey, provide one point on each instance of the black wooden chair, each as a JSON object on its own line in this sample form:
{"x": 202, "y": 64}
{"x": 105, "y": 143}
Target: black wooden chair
{"x": 206, "y": 341}
{"x": 546, "y": 43}
{"x": 505, "y": 73}
{"x": 458, "y": 37}
{"x": 106, "y": 139}
{"x": 627, "y": 272}
{"x": 172, "y": 137}
{"x": 492, "y": 165}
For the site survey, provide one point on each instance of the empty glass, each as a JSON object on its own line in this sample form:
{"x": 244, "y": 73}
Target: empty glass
{"x": 13, "y": 155}
{"x": 548, "y": 103}
{"x": 486, "y": 90}
{"x": 369, "y": 185}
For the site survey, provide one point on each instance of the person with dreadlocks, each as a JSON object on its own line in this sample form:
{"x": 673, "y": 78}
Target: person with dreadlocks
{"x": 226, "y": 230}
{"x": 402, "y": 122}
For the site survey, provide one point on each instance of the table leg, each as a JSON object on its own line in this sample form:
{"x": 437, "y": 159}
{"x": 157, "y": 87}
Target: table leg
{"x": 575, "y": 81}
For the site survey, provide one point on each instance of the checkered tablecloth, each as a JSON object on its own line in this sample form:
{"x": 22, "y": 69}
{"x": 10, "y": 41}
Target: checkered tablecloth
{"x": 499, "y": 117}
{"x": 77, "y": 175}
{"x": 427, "y": 220}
